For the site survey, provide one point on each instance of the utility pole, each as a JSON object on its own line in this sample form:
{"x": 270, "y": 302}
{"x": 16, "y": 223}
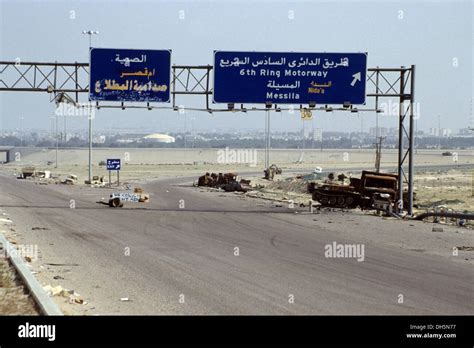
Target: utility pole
{"x": 21, "y": 130}
{"x": 439, "y": 132}
{"x": 185, "y": 130}
{"x": 378, "y": 153}
{"x": 90, "y": 33}
{"x": 416, "y": 133}
{"x": 51, "y": 126}
{"x": 303, "y": 136}
{"x": 57, "y": 142}
{"x": 192, "y": 130}
{"x": 267, "y": 138}
{"x": 65, "y": 131}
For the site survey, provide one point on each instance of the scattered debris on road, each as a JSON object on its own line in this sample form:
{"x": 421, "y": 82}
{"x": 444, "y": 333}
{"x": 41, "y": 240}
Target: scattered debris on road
{"x": 227, "y": 182}
{"x": 116, "y": 200}
{"x": 27, "y": 172}
{"x": 97, "y": 181}
{"x": 58, "y": 290}
{"x": 71, "y": 179}
{"x": 39, "y": 229}
{"x": 465, "y": 248}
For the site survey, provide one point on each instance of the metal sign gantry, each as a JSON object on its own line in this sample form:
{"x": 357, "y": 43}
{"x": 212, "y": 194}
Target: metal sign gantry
{"x": 73, "y": 78}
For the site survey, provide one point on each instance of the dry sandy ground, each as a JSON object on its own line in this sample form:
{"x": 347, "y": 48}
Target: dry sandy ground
{"x": 453, "y": 188}
{"x": 13, "y": 298}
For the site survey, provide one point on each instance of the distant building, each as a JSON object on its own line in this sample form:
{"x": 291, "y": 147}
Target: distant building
{"x": 383, "y": 131}
{"x": 6, "y": 153}
{"x": 126, "y": 141}
{"x": 465, "y": 131}
{"x": 306, "y": 133}
{"x": 446, "y": 132}
{"x": 393, "y": 131}
{"x": 443, "y": 132}
{"x": 99, "y": 139}
{"x": 160, "y": 138}
{"x": 318, "y": 134}
{"x": 434, "y": 132}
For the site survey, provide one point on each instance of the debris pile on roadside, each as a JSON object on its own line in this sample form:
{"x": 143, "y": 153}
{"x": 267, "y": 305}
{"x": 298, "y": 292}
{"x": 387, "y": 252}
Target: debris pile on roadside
{"x": 71, "y": 179}
{"x": 292, "y": 190}
{"x": 271, "y": 171}
{"x": 97, "y": 181}
{"x": 31, "y": 172}
{"x": 292, "y": 184}
{"x": 27, "y": 172}
{"x": 227, "y": 182}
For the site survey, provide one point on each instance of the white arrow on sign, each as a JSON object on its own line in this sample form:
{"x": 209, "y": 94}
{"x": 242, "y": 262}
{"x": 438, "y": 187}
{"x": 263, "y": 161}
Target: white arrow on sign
{"x": 356, "y": 78}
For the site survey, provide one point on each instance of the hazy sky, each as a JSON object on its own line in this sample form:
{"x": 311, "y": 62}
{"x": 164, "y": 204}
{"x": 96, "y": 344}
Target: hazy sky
{"x": 436, "y": 36}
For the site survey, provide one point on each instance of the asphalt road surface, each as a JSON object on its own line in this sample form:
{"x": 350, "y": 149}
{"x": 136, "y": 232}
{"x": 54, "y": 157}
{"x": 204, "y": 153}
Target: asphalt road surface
{"x": 177, "y": 255}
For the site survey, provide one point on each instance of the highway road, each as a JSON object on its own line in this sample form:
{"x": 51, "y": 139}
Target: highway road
{"x": 167, "y": 258}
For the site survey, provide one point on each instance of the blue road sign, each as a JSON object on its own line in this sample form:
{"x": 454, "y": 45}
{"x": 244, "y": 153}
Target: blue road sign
{"x": 113, "y": 164}
{"x": 130, "y": 75}
{"x": 289, "y": 78}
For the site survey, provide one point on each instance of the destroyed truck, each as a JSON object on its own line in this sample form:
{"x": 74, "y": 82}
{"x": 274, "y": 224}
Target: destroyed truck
{"x": 372, "y": 191}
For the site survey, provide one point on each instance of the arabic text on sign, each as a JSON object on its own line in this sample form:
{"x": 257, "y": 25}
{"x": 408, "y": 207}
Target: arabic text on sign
{"x": 328, "y": 64}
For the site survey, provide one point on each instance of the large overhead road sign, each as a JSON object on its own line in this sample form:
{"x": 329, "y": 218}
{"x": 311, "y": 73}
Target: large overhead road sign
{"x": 289, "y": 78}
{"x": 130, "y": 75}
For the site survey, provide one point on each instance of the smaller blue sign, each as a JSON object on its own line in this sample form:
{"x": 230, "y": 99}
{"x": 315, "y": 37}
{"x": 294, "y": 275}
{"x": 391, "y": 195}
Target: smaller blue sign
{"x": 113, "y": 164}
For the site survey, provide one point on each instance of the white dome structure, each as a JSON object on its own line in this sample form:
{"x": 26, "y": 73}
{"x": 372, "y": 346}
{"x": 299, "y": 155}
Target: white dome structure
{"x": 160, "y": 138}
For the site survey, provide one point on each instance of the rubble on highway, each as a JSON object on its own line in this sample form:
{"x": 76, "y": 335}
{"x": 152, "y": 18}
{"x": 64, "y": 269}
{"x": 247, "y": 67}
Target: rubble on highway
{"x": 27, "y": 172}
{"x": 31, "y": 172}
{"x": 271, "y": 171}
{"x": 116, "y": 200}
{"x": 227, "y": 182}
{"x": 58, "y": 290}
{"x": 44, "y": 174}
{"x": 71, "y": 179}
{"x": 97, "y": 181}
